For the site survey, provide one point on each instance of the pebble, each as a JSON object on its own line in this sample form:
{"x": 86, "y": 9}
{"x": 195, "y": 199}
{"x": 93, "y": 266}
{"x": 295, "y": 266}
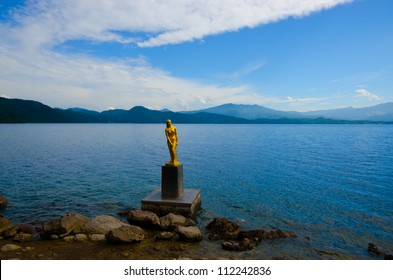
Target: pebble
{"x": 97, "y": 237}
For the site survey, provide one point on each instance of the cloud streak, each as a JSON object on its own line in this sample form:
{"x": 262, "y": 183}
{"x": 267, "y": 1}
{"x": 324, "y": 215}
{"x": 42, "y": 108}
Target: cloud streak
{"x": 165, "y": 22}
{"x": 363, "y": 93}
{"x": 31, "y": 68}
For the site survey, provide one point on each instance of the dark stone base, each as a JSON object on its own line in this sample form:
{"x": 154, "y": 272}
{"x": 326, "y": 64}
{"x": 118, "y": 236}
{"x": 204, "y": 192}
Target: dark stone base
{"x": 172, "y": 181}
{"x": 187, "y": 205}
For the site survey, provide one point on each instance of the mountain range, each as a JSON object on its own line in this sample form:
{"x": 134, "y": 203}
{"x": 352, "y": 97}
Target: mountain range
{"x": 28, "y": 111}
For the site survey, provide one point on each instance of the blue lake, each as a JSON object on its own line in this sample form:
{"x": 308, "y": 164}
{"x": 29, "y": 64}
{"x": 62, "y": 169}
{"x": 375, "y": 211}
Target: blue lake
{"x": 331, "y": 184}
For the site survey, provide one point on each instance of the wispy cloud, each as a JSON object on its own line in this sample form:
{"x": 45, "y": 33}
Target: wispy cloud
{"x": 166, "y": 22}
{"x": 31, "y": 68}
{"x": 363, "y": 93}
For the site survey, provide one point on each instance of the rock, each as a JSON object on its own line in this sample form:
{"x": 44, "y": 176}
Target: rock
{"x": 97, "y": 237}
{"x": 171, "y": 221}
{"x": 69, "y": 238}
{"x": 26, "y": 229}
{"x": 374, "y": 249}
{"x": 264, "y": 234}
{"x": 5, "y": 224}
{"x": 222, "y": 228}
{"x": 388, "y": 257}
{"x": 54, "y": 237}
{"x": 80, "y": 237}
{"x": 101, "y": 225}
{"x": 244, "y": 245}
{"x": 126, "y": 233}
{"x": 10, "y": 248}
{"x": 145, "y": 219}
{"x": 189, "y": 233}
{"x": 3, "y": 202}
{"x": 10, "y": 232}
{"x": 165, "y": 235}
{"x": 22, "y": 237}
{"x": 64, "y": 225}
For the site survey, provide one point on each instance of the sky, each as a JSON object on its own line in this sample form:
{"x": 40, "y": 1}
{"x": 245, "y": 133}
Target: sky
{"x": 291, "y": 55}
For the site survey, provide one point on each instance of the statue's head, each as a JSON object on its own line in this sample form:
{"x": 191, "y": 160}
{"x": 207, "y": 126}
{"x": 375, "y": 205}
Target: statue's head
{"x": 168, "y": 123}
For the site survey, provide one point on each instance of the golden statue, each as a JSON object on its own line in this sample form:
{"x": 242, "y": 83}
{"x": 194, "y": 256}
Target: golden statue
{"x": 172, "y": 141}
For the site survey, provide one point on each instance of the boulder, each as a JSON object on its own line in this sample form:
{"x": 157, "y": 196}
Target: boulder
{"x": 10, "y": 248}
{"x": 3, "y": 202}
{"x": 144, "y": 219}
{"x": 126, "y": 234}
{"x": 5, "y": 224}
{"x": 264, "y": 234}
{"x": 189, "y": 233}
{"x": 171, "y": 221}
{"x": 101, "y": 225}
{"x": 222, "y": 228}
{"x": 64, "y": 225}
{"x": 22, "y": 237}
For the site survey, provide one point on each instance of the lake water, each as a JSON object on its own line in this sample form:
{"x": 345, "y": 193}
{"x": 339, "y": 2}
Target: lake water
{"x": 331, "y": 184}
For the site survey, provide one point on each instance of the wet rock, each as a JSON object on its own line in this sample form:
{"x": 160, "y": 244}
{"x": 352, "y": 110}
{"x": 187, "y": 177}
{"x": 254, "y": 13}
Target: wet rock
{"x": 244, "y": 245}
{"x": 189, "y": 233}
{"x": 69, "y": 238}
{"x": 10, "y": 232}
{"x": 64, "y": 225}
{"x": 10, "y": 248}
{"x": 80, "y": 237}
{"x": 126, "y": 233}
{"x": 26, "y": 229}
{"x": 264, "y": 234}
{"x": 222, "y": 228}
{"x": 97, "y": 237}
{"x": 144, "y": 219}
{"x": 374, "y": 249}
{"x": 101, "y": 225}
{"x": 3, "y": 202}
{"x": 22, "y": 237}
{"x": 388, "y": 256}
{"x": 165, "y": 235}
{"x": 5, "y": 224}
{"x": 171, "y": 221}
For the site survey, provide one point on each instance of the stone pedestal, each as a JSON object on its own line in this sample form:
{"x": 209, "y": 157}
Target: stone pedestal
{"x": 171, "y": 181}
{"x": 172, "y": 197}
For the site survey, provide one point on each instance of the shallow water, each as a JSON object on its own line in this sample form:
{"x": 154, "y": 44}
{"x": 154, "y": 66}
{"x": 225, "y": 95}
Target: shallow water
{"x": 331, "y": 184}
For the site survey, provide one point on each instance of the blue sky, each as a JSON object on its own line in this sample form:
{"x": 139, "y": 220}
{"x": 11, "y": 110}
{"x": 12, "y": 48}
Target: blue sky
{"x": 184, "y": 55}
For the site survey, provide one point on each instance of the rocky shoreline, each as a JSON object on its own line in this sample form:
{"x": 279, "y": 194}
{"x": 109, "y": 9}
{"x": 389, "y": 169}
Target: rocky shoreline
{"x": 147, "y": 236}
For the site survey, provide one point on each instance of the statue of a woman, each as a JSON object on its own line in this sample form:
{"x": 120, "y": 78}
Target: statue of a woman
{"x": 172, "y": 141}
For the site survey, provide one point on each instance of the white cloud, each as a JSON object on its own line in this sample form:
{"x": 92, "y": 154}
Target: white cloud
{"x": 30, "y": 67}
{"x": 167, "y": 22}
{"x": 363, "y": 93}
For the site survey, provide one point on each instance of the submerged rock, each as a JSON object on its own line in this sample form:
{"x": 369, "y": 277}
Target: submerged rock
{"x": 3, "y": 202}
{"x": 189, "y": 233}
{"x": 244, "y": 245}
{"x": 101, "y": 225}
{"x": 126, "y": 234}
{"x": 64, "y": 225}
{"x": 264, "y": 234}
{"x": 10, "y": 248}
{"x": 165, "y": 235}
{"x": 144, "y": 219}
{"x": 222, "y": 228}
